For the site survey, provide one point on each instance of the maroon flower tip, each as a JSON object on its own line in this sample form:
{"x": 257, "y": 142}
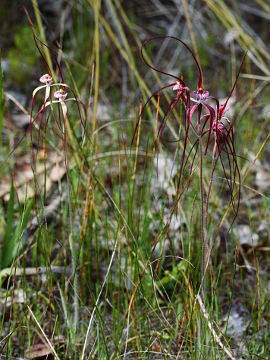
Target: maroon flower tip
{"x": 60, "y": 94}
{"x": 46, "y": 79}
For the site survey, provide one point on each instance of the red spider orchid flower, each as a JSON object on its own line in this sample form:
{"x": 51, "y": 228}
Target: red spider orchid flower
{"x": 200, "y": 99}
{"x": 182, "y": 94}
{"x": 222, "y": 109}
{"x": 224, "y": 150}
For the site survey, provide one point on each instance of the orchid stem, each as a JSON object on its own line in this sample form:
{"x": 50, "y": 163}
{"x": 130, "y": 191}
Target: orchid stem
{"x": 202, "y": 229}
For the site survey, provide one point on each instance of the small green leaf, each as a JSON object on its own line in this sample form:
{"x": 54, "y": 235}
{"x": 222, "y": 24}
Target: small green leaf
{"x": 26, "y": 214}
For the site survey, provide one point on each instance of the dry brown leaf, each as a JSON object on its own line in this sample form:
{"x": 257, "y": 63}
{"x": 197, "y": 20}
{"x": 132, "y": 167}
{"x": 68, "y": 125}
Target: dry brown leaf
{"x": 37, "y": 351}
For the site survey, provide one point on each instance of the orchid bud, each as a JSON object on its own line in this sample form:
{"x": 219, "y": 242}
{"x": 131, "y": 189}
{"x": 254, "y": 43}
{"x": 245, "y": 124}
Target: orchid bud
{"x": 219, "y": 128}
{"x": 177, "y": 87}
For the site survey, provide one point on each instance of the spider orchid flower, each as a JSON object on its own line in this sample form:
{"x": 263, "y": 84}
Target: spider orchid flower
{"x": 48, "y": 84}
{"x": 46, "y": 79}
{"x": 224, "y": 151}
{"x": 60, "y": 95}
{"x": 224, "y": 146}
{"x": 200, "y": 99}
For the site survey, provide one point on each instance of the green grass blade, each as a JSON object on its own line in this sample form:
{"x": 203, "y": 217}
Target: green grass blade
{"x": 10, "y": 244}
{"x": 1, "y": 98}
{"x": 10, "y": 218}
